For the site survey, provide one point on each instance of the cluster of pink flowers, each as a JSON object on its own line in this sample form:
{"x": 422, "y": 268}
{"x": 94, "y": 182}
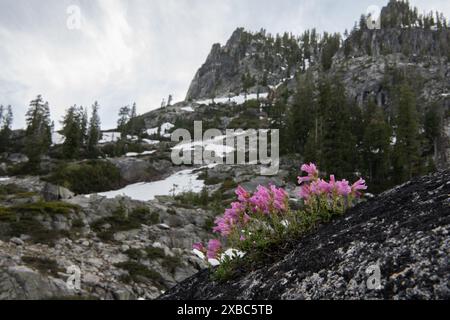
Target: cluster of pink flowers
{"x": 264, "y": 202}
{"x": 312, "y": 185}
{"x": 272, "y": 205}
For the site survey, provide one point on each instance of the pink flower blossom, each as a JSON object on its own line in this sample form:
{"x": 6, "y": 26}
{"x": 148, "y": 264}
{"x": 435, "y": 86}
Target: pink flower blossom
{"x": 310, "y": 169}
{"x": 243, "y": 195}
{"x": 358, "y": 186}
{"x": 261, "y": 200}
{"x": 305, "y": 192}
{"x": 312, "y": 172}
{"x": 301, "y": 180}
{"x": 199, "y": 247}
{"x": 280, "y": 198}
{"x": 214, "y": 247}
{"x": 226, "y": 223}
{"x": 343, "y": 188}
{"x": 324, "y": 187}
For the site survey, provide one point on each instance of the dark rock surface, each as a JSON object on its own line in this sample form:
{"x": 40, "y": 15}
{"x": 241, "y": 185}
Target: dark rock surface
{"x": 403, "y": 232}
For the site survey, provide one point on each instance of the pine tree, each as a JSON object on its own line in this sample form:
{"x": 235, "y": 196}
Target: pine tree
{"x": 338, "y": 142}
{"x": 73, "y": 132}
{"x": 301, "y": 118}
{"x": 39, "y": 131}
{"x": 94, "y": 133}
{"x": 84, "y": 125}
{"x": 247, "y": 82}
{"x": 406, "y": 151}
{"x": 6, "y": 119}
{"x": 432, "y": 127}
{"x": 122, "y": 123}
{"x": 133, "y": 123}
{"x": 376, "y": 147}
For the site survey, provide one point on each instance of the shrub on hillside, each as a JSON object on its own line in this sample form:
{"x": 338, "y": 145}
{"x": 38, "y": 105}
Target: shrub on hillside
{"x": 87, "y": 177}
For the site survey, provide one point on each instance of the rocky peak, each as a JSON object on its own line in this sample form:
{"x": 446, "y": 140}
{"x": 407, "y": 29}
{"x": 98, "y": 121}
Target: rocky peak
{"x": 261, "y": 58}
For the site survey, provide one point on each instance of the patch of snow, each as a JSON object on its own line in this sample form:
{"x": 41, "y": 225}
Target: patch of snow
{"x": 393, "y": 141}
{"x": 57, "y": 138}
{"x": 188, "y": 109}
{"x": 215, "y": 145}
{"x": 375, "y": 151}
{"x": 166, "y": 127}
{"x": 180, "y": 182}
{"x": 307, "y": 64}
{"x": 445, "y": 95}
{"x": 4, "y": 179}
{"x": 132, "y": 154}
{"x": 135, "y": 154}
{"x": 163, "y": 130}
{"x": 108, "y": 137}
{"x": 152, "y": 131}
{"x": 152, "y": 142}
{"x": 132, "y": 138}
{"x": 240, "y": 99}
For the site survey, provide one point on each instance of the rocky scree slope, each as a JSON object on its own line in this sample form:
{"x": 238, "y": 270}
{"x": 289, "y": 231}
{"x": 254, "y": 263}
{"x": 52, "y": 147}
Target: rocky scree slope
{"x": 125, "y": 249}
{"x": 404, "y": 231}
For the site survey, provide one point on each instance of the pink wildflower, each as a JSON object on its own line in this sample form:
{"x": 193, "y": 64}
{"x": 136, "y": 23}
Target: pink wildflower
{"x": 305, "y": 192}
{"x": 310, "y": 169}
{"x": 261, "y": 200}
{"x": 242, "y": 194}
{"x": 343, "y": 188}
{"x": 199, "y": 247}
{"x": 312, "y": 172}
{"x": 324, "y": 187}
{"x": 280, "y": 198}
{"x": 358, "y": 186}
{"x": 226, "y": 223}
{"x": 214, "y": 247}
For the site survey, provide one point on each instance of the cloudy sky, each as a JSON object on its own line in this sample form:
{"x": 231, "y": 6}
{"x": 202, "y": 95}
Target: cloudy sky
{"x": 138, "y": 50}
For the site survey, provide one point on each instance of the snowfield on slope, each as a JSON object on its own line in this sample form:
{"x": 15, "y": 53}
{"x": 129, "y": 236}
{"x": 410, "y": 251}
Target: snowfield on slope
{"x": 236, "y": 99}
{"x": 178, "y": 183}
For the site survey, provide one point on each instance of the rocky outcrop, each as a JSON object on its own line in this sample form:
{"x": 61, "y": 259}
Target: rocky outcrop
{"x": 23, "y": 283}
{"x": 403, "y": 233}
{"x": 256, "y": 55}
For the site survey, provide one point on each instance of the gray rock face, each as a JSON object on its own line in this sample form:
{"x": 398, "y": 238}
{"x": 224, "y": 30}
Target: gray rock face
{"x": 17, "y": 158}
{"x": 403, "y": 234}
{"x": 244, "y": 53}
{"x": 22, "y": 283}
{"x": 133, "y": 170}
{"x": 53, "y": 193}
